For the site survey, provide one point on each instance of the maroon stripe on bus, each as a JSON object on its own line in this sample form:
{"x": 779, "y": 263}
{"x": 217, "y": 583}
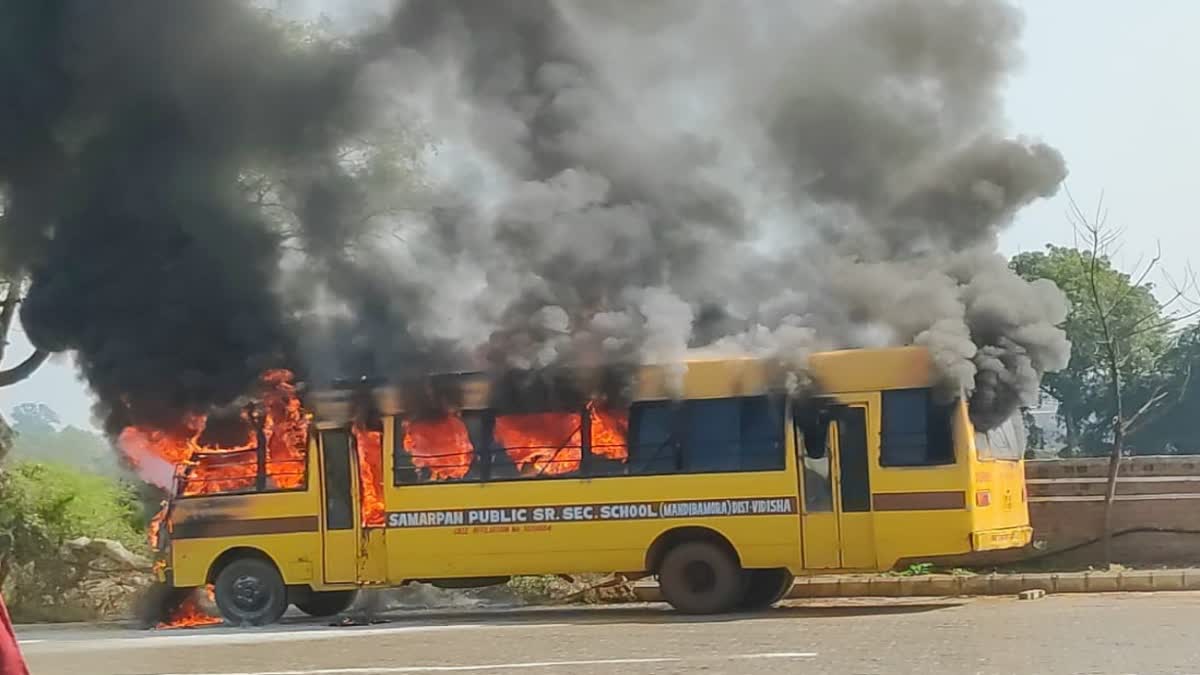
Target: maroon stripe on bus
{"x": 209, "y": 527}
{"x": 919, "y": 501}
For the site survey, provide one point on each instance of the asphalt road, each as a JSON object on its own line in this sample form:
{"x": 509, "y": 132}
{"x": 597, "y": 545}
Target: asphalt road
{"x": 1070, "y": 634}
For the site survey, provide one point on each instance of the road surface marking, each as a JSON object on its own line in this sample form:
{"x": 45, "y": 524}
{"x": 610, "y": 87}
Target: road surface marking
{"x": 28, "y": 642}
{"x": 180, "y": 638}
{"x": 519, "y": 665}
{"x": 369, "y": 670}
{"x": 775, "y": 655}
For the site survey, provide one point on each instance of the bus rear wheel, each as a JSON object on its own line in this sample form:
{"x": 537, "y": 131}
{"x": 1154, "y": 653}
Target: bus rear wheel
{"x": 764, "y": 588}
{"x": 321, "y": 604}
{"x": 700, "y": 577}
{"x": 250, "y": 592}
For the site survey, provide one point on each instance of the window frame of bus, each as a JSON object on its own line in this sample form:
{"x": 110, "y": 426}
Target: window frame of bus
{"x": 260, "y": 476}
{"x": 402, "y": 461}
{"x": 480, "y": 424}
{"x": 941, "y": 414}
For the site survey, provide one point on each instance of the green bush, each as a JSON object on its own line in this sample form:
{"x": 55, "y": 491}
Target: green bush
{"x": 44, "y": 505}
{"x": 68, "y": 503}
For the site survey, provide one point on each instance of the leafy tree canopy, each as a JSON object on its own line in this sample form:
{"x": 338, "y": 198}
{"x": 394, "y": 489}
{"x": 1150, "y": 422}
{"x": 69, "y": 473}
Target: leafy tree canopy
{"x": 1150, "y": 355}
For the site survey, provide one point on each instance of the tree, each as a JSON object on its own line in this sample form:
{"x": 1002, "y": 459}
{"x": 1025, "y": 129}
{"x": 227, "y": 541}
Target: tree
{"x": 1035, "y": 438}
{"x": 41, "y": 437}
{"x": 13, "y": 293}
{"x": 1119, "y": 377}
{"x": 31, "y": 418}
{"x": 1177, "y": 429}
{"x": 379, "y": 168}
{"x": 1082, "y": 389}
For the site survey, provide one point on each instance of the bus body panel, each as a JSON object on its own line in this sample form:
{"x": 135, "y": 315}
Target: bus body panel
{"x": 877, "y": 517}
{"x": 283, "y": 525}
{"x": 999, "y": 502}
{"x": 292, "y": 553}
{"x": 506, "y": 529}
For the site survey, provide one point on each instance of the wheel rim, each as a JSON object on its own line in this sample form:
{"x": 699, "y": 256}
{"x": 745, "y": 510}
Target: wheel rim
{"x": 699, "y": 576}
{"x": 250, "y": 594}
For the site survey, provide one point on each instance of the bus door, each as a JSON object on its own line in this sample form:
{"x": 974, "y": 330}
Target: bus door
{"x": 836, "y": 522}
{"x": 339, "y": 508}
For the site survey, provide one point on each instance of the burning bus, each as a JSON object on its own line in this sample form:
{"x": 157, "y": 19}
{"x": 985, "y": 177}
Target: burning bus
{"x": 714, "y": 477}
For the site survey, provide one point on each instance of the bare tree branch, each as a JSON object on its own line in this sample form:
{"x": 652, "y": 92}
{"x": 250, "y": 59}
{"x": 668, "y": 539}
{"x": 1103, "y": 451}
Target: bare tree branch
{"x": 23, "y": 369}
{"x": 1152, "y": 409}
{"x": 1137, "y": 285}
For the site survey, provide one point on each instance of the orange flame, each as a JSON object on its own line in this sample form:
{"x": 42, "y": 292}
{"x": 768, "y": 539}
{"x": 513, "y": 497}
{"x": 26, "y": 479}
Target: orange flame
{"x": 155, "y": 526}
{"x": 167, "y": 457}
{"x": 286, "y": 428}
{"x": 189, "y": 613}
{"x": 542, "y": 444}
{"x": 441, "y": 446}
{"x": 610, "y": 429}
{"x": 370, "y": 475}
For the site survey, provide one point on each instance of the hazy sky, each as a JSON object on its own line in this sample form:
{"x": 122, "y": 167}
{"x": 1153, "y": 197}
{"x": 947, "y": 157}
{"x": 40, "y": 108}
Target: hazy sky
{"x": 1109, "y": 83}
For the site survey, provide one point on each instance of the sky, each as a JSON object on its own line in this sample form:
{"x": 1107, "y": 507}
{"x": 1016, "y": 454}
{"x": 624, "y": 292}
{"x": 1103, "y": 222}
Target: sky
{"x": 1109, "y": 83}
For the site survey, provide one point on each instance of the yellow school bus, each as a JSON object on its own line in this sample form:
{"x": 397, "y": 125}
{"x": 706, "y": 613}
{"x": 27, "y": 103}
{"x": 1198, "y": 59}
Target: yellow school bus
{"x": 708, "y": 477}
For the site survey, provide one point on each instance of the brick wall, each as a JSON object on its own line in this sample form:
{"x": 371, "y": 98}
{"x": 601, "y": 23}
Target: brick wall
{"x": 1066, "y": 507}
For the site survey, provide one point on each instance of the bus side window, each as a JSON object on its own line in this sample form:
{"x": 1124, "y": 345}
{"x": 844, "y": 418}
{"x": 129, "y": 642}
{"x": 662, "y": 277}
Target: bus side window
{"x": 916, "y": 431}
{"x": 608, "y": 441}
{"x": 436, "y": 449}
{"x": 339, "y": 502}
{"x": 479, "y": 430}
{"x": 653, "y": 446}
{"x": 762, "y": 430}
{"x": 713, "y": 438}
{"x": 403, "y": 470}
{"x": 734, "y": 434}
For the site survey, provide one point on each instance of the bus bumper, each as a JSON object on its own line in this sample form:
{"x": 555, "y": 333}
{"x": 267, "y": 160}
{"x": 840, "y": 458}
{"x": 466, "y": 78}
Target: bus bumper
{"x": 994, "y": 540}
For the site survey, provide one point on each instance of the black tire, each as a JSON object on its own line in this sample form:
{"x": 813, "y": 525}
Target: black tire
{"x": 764, "y": 588}
{"x": 250, "y": 592}
{"x": 700, "y": 577}
{"x": 323, "y": 604}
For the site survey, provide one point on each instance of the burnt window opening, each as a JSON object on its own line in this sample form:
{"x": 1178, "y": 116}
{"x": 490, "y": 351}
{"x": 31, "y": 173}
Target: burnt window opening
{"x": 437, "y": 449}
{"x": 917, "y": 431}
{"x": 1005, "y": 442}
{"x": 490, "y": 445}
{"x": 238, "y": 456}
{"x": 607, "y": 430}
{"x": 538, "y": 445}
{"x": 647, "y": 438}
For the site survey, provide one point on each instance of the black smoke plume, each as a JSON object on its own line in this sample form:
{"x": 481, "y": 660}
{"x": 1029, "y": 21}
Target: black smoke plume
{"x": 613, "y": 183}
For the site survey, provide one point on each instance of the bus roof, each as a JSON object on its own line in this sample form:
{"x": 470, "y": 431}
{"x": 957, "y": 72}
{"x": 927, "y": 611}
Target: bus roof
{"x": 704, "y": 376}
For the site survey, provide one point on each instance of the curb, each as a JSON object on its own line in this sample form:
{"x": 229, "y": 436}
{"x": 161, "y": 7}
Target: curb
{"x": 942, "y": 585}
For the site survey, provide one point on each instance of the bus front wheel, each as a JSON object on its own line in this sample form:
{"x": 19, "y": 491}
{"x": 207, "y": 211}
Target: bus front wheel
{"x": 321, "y": 604}
{"x": 700, "y": 577}
{"x": 764, "y": 588}
{"x": 250, "y": 592}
